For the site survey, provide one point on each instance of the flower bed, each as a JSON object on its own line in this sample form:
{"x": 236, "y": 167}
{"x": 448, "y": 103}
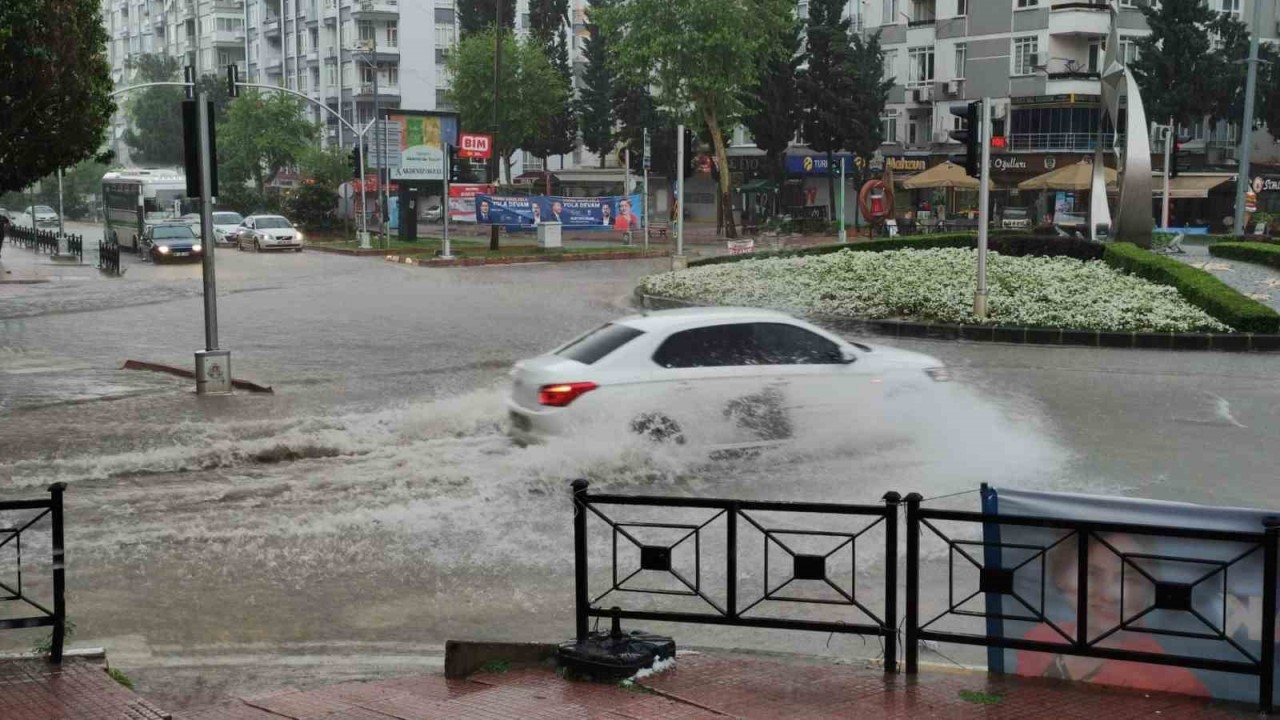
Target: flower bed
{"x": 937, "y": 285}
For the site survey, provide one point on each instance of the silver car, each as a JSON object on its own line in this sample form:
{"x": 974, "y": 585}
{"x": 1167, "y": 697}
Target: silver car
{"x": 268, "y": 232}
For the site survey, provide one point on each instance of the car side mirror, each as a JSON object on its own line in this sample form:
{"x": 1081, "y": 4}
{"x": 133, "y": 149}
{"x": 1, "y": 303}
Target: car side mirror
{"x": 848, "y": 355}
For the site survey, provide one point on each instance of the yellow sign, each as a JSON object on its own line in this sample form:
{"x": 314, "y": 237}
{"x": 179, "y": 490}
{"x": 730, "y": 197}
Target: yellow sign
{"x": 808, "y": 164}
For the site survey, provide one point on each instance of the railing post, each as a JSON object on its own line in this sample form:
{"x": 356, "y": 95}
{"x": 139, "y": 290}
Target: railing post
{"x": 891, "y": 502}
{"x": 59, "y": 572}
{"x": 1082, "y": 587}
{"x": 580, "y": 598}
{"x": 913, "y": 582}
{"x": 731, "y": 562}
{"x": 1266, "y": 680}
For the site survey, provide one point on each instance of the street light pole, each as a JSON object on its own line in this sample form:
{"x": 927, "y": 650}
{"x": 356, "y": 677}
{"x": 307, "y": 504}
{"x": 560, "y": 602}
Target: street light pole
{"x": 497, "y": 97}
{"x": 1246, "y": 127}
{"x": 680, "y": 192}
{"x": 213, "y": 366}
{"x": 843, "y": 237}
{"x": 984, "y": 209}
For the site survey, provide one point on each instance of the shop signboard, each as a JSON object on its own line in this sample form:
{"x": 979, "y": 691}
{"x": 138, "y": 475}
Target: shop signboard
{"x": 415, "y": 143}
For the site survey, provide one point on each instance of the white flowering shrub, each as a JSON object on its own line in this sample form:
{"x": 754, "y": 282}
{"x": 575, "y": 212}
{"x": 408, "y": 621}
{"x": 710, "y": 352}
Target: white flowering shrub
{"x": 938, "y": 285}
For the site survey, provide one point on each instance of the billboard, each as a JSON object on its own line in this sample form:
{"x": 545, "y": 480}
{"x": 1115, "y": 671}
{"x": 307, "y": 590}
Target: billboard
{"x": 614, "y": 212}
{"x": 1151, "y": 594}
{"x": 415, "y": 143}
{"x": 462, "y": 200}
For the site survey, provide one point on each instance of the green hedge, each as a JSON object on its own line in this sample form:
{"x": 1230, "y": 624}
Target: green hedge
{"x": 1004, "y": 243}
{"x": 1260, "y": 253}
{"x": 1198, "y": 287}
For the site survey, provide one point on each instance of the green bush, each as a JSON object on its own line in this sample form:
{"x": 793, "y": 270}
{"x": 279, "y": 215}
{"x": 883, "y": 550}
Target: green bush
{"x": 1003, "y": 243}
{"x": 1254, "y": 252}
{"x": 1199, "y": 288}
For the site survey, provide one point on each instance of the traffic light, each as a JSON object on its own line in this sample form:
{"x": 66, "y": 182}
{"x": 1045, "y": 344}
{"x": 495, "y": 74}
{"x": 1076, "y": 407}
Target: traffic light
{"x": 970, "y": 136}
{"x": 1175, "y": 155}
{"x": 355, "y": 163}
{"x": 998, "y": 140}
{"x": 233, "y": 81}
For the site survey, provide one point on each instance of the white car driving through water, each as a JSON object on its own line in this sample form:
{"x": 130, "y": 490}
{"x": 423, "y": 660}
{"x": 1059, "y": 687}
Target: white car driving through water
{"x": 723, "y": 377}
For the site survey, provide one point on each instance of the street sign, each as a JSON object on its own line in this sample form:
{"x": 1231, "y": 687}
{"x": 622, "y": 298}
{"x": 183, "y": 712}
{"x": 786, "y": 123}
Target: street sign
{"x": 473, "y": 146}
{"x": 648, "y": 151}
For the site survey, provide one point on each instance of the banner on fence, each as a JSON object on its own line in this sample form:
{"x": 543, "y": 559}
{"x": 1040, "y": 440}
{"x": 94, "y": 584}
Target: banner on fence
{"x": 1174, "y": 596}
{"x": 741, "y": 247}
{"x": 462, "y": 200}
{"x": 617, "y": 212}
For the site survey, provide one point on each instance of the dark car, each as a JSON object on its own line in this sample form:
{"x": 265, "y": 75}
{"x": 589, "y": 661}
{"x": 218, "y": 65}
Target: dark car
{"x": 171, "y": 241}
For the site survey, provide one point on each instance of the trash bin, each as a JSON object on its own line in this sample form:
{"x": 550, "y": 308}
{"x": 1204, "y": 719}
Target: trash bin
{"x": 549, "y": 235}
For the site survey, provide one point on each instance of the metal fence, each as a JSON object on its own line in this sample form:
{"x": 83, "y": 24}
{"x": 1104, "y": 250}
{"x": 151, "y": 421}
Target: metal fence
{"x": 109, "y": 257}
{"x": 45, "y": 241}
{"x": 735, "y": 610}
{"x": 996, "y": 580}
{"x": 11, "y": 536}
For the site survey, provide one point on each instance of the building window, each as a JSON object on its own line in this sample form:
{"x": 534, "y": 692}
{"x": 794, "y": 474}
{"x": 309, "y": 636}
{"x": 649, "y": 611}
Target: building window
{"x": 332, "y": 74}
{"x": 1128, "y": 51}
{"x": 392, "y": 76}
{"x": 393, "y": 34}
{"x": 890, "y": 57}
{"x": 224, "y": 58}
{"x": 366, "y": 75}
{"x": 1226, "y": 6}
{"x": 1095, "y": 57}
{"x": 890, "y": 13}
{"x": 368, "y": 34}
{"x": 962, "y": 55}
{"x": 889, "y": 128}
{"x": 962, "y": 7}
{"x": 1028, "y": 4}
{"x": 1025, "y": 55}
{"x": 444, "y": 36}
{"x": 920, "y": 66}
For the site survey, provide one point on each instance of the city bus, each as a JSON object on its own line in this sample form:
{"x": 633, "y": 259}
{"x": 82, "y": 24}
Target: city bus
{"x": 136, "y": 197}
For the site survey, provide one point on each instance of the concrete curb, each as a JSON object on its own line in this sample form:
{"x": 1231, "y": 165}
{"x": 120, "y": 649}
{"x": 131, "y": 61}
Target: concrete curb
{"x": 464, "y": 657}
{"x": 525, "y": 259}
{"x": 1221, "y": 342}
{"x": 355, "y": 252}
{"x": 190, "y": 374}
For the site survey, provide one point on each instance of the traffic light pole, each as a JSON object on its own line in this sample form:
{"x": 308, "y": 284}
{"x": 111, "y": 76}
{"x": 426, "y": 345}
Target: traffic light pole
{"x": 444, "y": 201}
{"x": 843, "y": 237}
{"x": 1168, "y": 154}
{"x": 364, "y": 213}
{"x": 984, "y": 209}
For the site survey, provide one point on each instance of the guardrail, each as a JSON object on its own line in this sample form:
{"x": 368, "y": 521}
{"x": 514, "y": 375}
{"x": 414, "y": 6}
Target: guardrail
{"x": 1082, "y": 538}
{"x": 44, "y": 240}
{"x": 11, "y": 535}
{"x": 109, "y": 257}
{"x": 803, "y": 567}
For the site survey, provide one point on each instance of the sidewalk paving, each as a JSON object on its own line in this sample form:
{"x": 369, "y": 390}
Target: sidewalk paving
{"x": 700, "y": 687}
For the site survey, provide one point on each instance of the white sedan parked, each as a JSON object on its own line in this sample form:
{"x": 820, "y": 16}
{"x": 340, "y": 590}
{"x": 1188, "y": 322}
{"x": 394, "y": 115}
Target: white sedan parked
{"x": 268, "y": 232}
{"x": 723, "y": 377}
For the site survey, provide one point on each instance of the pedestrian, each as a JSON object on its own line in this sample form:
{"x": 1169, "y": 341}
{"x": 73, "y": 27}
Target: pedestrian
{"x": 4, "y": 228}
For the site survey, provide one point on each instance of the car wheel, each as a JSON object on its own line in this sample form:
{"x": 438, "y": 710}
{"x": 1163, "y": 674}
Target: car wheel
{"x": 658, "y": 428}
{"x": 297, "y": 249}
{"x": 256, "y": 246}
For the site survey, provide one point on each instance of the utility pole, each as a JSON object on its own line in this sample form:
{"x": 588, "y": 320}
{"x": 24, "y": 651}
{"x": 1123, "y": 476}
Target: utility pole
{"x": 364, "y": 200}
{"x": 444, "y": 201}
{"x": 1168, "y": 153}
{"x": 1246, "y": 127}
{"x": 380, "y": 137}
{"x": 680, "y": 192}
{"x": 61, "y": 232}
{"x": 213, "y": 366}
{"x": 843, "y": 238}
{"x": 497, "y": 98}
{"x": 644, "y": 201}
{"x": 984, "y": 210}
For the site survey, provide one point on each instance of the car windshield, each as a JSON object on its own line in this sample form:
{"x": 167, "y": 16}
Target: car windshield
{"x": 598, "y": 343}
{"x": 1015, "y": 213}
{"x": 44, "y": 209}
{"x": 226, "y": 218}
{"x": 272, "y": 222}
{"x": 173, "y": 232}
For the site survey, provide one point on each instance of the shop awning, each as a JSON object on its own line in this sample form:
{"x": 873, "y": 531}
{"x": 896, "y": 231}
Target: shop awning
{"x": 1076, "y": 177}
{"x": 759, "y": 185}
{"x": 1186, "y": 187}
{"x": 946, "y": 175}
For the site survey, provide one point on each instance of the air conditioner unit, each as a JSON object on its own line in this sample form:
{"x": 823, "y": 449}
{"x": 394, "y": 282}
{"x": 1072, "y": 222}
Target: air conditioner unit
{"x": 953, "y": 88}
{"x": 941, "y": 136}
{"x": 922, "y": 95}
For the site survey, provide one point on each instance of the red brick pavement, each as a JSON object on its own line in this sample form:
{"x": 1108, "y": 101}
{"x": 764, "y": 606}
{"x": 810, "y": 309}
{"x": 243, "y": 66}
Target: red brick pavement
{"x": 701, "y": 687}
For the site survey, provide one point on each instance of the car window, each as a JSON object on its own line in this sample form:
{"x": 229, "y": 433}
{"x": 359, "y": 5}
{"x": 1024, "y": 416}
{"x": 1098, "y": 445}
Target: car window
{"x": 226, "y": 218}
{"x": 181, "y": 232}
{"x": 782, "y": 344}
{"x": 273, "y": 222}
{"x": 599, "y": 343}
{"x": 715, "y": 346}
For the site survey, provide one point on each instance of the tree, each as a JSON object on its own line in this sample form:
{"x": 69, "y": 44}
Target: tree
{"x": 55, "y": 85}
{"x": 827, "y": 86}
{"x": 773, "y": 116}
{"x": 701, "y": 55}
{"x": 596, "y": 116}
{"x": 155, "y": 119}
{"x": 871, "y": 92}
{"x": 530, "y": 88}
{"x": 1183, "y": 69}
{"x": 558, "y": 134}
{"x": 264, "y": 133}
{"x": 79, "y": 183}
{"x": 475, "y": 16}
{"x": 329, "y": 167}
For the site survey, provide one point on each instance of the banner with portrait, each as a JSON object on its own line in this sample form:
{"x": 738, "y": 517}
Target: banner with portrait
{"x": 1146, "y": 593}
{"x": 620, "y": 213}
{"x": 462, "y": 200}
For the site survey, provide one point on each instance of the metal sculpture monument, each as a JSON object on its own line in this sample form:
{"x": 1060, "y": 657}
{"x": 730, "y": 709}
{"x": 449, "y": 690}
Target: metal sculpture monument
{"x": 1132, "y": 221}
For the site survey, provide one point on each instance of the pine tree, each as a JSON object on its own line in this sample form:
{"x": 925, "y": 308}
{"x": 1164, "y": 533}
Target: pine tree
{"x": 774, "y": 101}
{"x": 828, "y": 90}
{"x": 596, "y": 113}
{"x": 476, "y": 15}
{"x": 1187, "y": 68}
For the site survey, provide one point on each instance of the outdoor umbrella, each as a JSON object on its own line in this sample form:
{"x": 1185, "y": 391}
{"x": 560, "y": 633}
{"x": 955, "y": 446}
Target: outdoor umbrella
{"x": 946, "y": 175}
{"x": 1075, "y": 177}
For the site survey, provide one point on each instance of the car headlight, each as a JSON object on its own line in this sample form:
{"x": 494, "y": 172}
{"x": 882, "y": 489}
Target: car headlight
{"x": 163, "y": 249}
{"x": 299, "y": 235}
{"x": 195, "y": 248}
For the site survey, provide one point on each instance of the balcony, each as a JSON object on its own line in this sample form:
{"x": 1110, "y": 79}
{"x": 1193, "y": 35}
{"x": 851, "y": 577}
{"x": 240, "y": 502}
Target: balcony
{"x": 228, "y": 37}
{"x": 1080, "y": 19}
{"x": 271, "y": 27}
{"x": 375, "y": 9}
{"x": 1073, "y": 83}
{"x": 364, "y": 91}
{"x": 1061, "y": 142}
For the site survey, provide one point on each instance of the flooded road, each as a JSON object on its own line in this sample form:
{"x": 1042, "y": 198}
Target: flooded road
{"x": 373, "y": 507}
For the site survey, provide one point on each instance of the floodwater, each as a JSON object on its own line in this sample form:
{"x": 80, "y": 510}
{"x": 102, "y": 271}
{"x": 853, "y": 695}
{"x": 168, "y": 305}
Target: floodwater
{"x": 373, "y": 507}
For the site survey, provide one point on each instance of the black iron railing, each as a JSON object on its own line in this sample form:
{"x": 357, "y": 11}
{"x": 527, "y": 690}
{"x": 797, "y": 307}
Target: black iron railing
{"x": 11, "y": 535}
{"x": 996, "y": 579}
{"x": 42, "y": 240}
{"x": 75, "y": 246}
{"x": 735, "y": 610}
{"x": 109, "y": 257}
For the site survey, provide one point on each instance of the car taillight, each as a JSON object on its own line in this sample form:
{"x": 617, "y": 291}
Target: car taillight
{"x": 561, "y": 394}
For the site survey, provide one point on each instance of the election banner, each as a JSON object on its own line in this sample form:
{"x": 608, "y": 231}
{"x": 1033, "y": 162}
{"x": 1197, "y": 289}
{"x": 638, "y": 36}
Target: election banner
{"x": 1147, "y": 594}
{"x": 620, "y": 213}
{"x": 415, "y": 143}
{"x": 462, "y": 200}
